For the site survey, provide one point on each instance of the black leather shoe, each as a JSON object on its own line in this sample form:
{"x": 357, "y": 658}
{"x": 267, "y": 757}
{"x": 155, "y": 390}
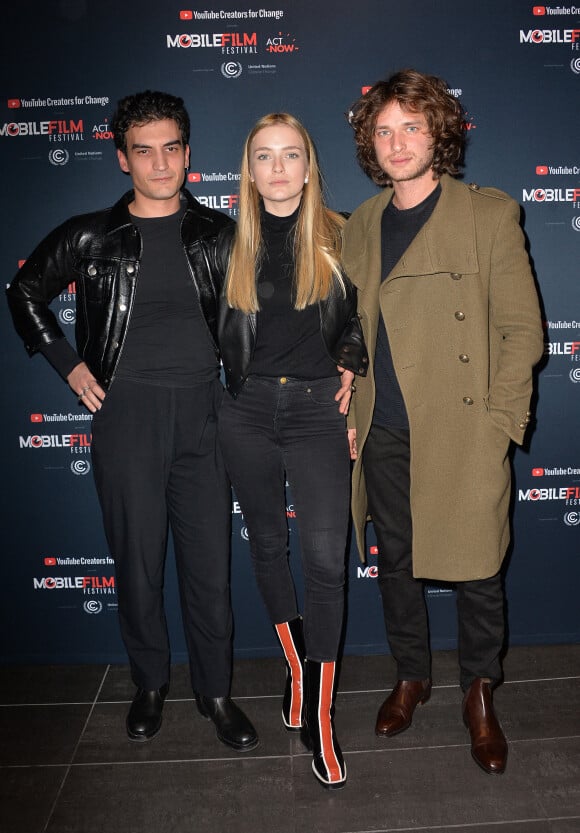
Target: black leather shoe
{"x": 232, "y": 726}
{"x": 144, "y": 718}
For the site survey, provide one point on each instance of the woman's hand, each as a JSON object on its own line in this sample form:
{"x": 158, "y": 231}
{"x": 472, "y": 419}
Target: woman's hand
{"x": 351, "y": 434}
{"x": 346, "y": 389}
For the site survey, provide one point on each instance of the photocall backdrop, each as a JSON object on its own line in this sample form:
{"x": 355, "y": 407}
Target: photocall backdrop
{"x": 516, "y": 69}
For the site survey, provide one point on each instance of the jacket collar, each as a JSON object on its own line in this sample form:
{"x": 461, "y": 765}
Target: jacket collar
{"x": 121, "y": 217}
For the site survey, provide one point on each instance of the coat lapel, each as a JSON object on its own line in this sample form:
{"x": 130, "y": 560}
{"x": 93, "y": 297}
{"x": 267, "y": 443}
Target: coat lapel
{"x": 368, "y": 273}
{"x": 447, "y": 242}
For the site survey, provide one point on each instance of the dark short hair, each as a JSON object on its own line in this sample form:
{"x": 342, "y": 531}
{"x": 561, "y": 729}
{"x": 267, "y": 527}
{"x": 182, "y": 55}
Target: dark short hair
{"x": 142, "y": 108}
{"x": 416, "y": 92}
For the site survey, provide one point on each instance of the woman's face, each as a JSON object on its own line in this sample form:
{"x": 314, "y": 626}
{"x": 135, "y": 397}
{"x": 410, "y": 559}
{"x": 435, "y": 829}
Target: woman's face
{"x": 279, "y": 168}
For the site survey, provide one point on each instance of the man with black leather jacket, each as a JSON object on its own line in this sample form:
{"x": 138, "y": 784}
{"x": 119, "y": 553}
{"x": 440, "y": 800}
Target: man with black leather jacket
{"x": 147, "y": 366}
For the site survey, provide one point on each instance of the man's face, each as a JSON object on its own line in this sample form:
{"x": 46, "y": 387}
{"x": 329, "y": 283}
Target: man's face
{"x": 156, "y": 160}
{"x": 403, "y": 144}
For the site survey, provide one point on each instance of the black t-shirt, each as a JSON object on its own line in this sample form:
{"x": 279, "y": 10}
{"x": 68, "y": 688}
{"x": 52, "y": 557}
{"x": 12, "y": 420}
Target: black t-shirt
{"x": 168, "y": 342}
{"x": 398, "y": 230}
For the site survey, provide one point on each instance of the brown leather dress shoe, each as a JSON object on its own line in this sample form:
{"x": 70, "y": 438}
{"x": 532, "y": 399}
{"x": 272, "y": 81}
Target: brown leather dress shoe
{"x": 488, "y": 745}
{"x": 396, "y": 713}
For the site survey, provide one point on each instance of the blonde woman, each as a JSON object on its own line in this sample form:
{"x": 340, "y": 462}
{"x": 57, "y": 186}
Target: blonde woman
{"x": 291, "y": 344}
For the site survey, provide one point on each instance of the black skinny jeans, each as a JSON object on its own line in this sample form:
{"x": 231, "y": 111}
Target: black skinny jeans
{"x": 278, "y": 429}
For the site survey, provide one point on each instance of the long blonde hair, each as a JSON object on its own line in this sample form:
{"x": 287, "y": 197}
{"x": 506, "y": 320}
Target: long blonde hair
{"x": 317, "y": 239}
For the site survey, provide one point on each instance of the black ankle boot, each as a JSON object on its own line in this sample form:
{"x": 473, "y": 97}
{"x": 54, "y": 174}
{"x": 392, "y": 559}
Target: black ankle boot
{"x": 318, "y": 732}
{"x": 232, "y": 726}
{"x": 144, "y": 718}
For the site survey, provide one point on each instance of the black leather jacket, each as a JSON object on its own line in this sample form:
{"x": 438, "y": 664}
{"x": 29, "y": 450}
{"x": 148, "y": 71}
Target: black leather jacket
{"x": 101, "y": 253}
{"x": 339, "y": 326}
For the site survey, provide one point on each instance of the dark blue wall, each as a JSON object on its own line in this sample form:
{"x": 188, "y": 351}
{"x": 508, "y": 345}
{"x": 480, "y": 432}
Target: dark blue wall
{"x": 516, "y": 69}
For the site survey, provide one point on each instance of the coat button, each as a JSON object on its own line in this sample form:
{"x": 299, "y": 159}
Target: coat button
{"x": 460, "y": 315}
{"x": 456, "y": 276}
{"x": 523, "y": 426}
{"x": 467, "y": 400}
{"x": 92, "y": 270}
{"x": 283, "y": 380}
{"x": 464, "y": 358}
{"x": 130, "y": 270}
{"x": 123, "y": 307}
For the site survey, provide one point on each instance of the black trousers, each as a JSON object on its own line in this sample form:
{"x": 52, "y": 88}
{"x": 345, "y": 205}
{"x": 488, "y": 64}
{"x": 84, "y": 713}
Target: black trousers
{"x": 480, "y": 603}
{"x": 288, "y": 428}
{"x": 157, "y": 464}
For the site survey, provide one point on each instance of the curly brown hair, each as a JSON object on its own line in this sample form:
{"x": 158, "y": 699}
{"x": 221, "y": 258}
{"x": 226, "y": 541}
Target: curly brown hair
{"x": 416, "y": 92}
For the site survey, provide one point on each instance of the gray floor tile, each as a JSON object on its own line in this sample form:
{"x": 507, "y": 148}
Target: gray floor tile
{"x": 422, "y": 789}
{"x": 553, "y": 771}
{"x": 525, "y": 826}
{"x": 40, "y": 734}
{"x": 437, "y": 723}
{"x": 521, "y": 709}
{"x": 26, "y": 797}
{"x": 259, "y": 677}
{"x": 50, "y": 683}
{"x": 185, "y": 735}
{"x": 543, "y": 709}
{"x": 530, "y": 662}
{"x": 185, "y": 780}
{"x": 571, "y": 825}
{"x": 212, "y": 797}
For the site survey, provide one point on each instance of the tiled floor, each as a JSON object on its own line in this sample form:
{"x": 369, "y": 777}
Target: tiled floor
{"x": 66, "y": 765}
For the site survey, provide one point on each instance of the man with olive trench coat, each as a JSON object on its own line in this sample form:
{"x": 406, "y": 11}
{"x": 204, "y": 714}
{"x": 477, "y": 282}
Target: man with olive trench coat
{"x": 463, "y": 323}
{"x": 464, "y": 339}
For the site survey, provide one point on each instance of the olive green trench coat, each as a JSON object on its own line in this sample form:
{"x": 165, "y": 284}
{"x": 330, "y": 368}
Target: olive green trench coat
{"x": 462, "y": 314}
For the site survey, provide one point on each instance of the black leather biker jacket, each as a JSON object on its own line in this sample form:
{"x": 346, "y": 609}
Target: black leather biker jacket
{"x": 101, "y": 253}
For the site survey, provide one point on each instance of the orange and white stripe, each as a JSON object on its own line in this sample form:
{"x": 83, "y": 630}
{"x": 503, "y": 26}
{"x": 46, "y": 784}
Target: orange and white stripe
{"x": 296, "y": 671}
{"x": 330, "y": 760}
